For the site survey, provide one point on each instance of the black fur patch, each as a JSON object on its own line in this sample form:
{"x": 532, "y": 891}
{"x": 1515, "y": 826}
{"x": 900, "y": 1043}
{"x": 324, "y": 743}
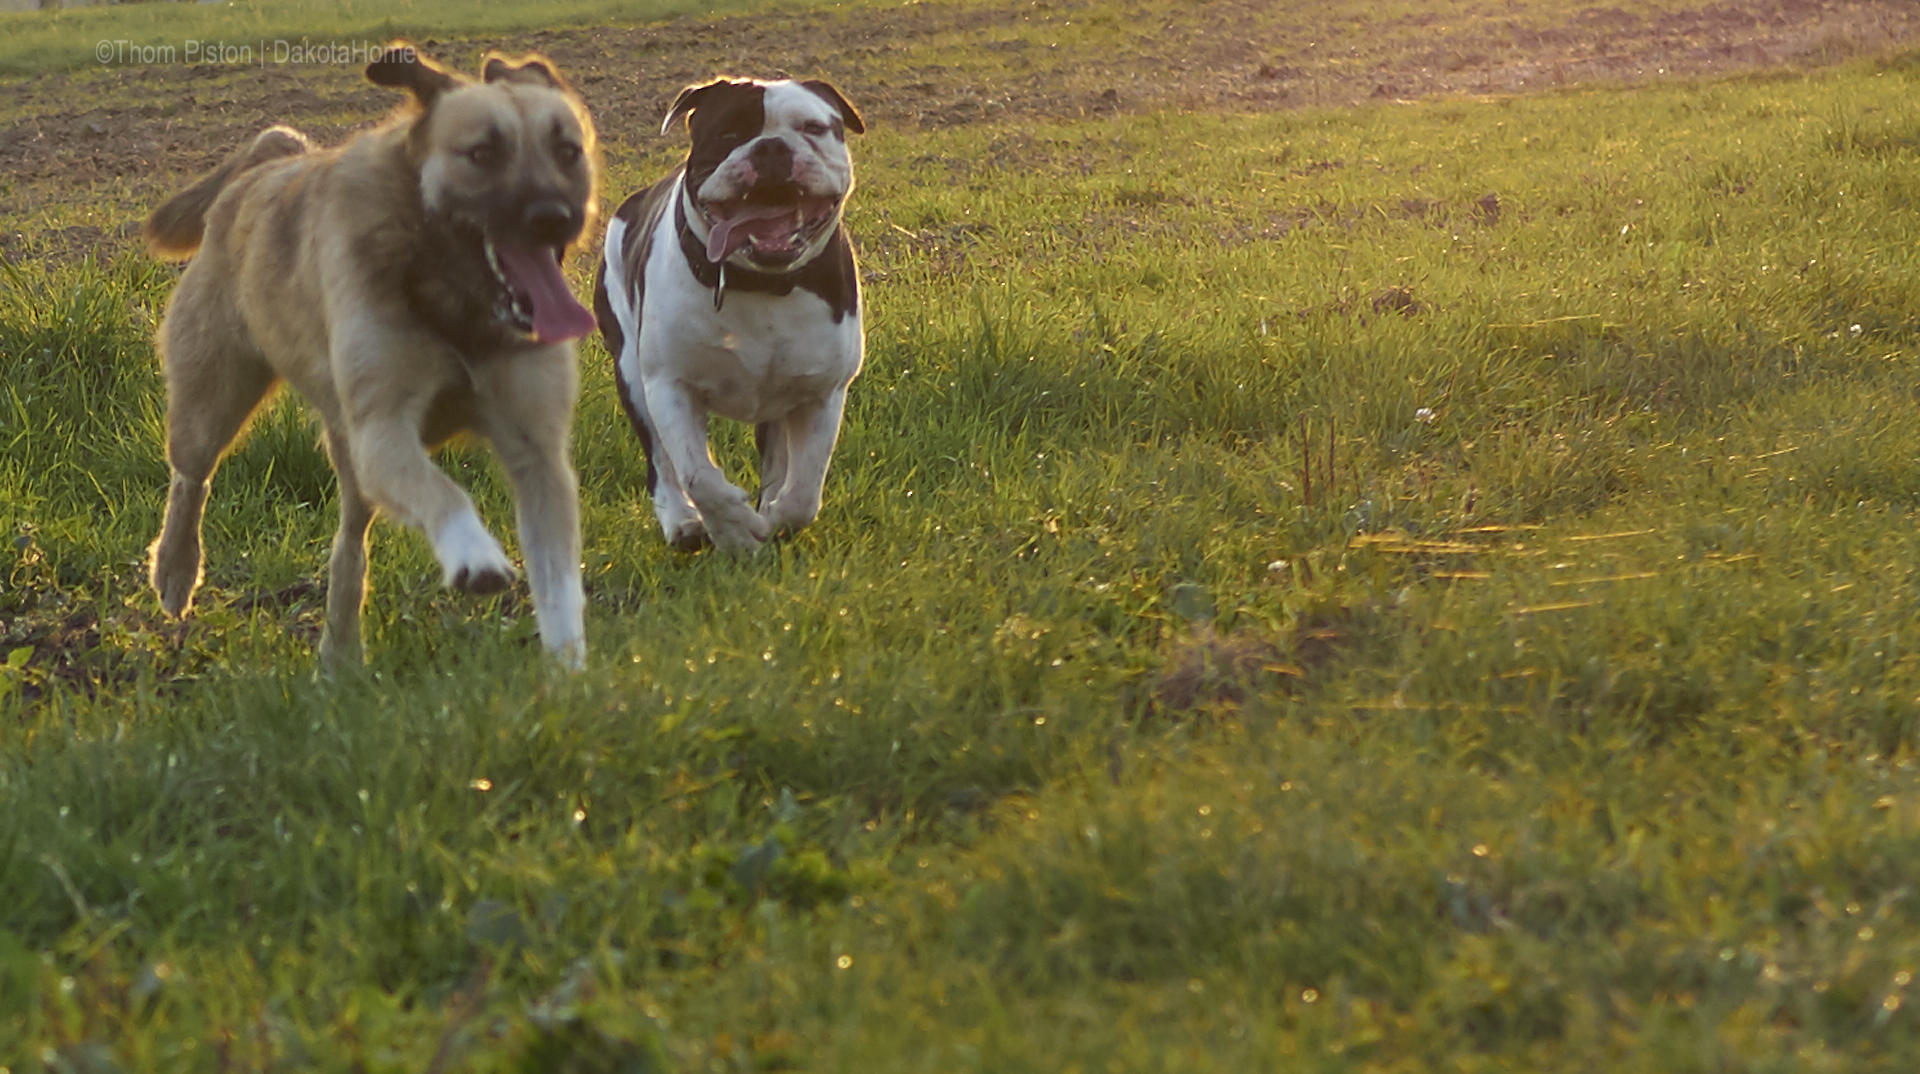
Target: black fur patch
{"x": 849, "y": 118}
{"x": 450, "y": 287}
{"x": 725, "y": 116}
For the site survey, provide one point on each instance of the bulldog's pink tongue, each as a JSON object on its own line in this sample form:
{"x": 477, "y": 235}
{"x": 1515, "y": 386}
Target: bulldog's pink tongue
{"x": 535, "y": 273}
{"x": 732, "y": 232}
{"x": 720, "y": 244}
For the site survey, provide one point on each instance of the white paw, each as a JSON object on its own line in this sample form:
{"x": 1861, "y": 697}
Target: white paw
{"x": 571, "y": 652}
{"x": 686, "y": 535}
{"x": 560, "y": 611}
{"x": 470, "y": 559}
{"x": 785, "y": 517}
{"x": 731, "y": 521}
{"x": 679, "y": 522}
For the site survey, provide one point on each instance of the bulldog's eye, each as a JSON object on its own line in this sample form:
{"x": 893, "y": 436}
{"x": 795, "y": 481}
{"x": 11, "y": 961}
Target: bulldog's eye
{"x": 813, "y": 128}
{"x": 567, "y": 153}
{"x": 486, "y": 155}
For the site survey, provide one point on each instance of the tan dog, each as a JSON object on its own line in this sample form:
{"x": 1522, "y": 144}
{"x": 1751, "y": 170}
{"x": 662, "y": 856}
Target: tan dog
{"x": 408, "y": 285}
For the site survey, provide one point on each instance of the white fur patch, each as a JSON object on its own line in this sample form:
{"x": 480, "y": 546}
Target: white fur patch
{"x": 467, "y": 551}
{"x": 821, "y": 163}
{"x": 619, "y": 295}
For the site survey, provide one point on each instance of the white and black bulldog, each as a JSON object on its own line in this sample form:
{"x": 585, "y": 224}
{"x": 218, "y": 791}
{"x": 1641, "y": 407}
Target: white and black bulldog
{"x": 729, "y": 288}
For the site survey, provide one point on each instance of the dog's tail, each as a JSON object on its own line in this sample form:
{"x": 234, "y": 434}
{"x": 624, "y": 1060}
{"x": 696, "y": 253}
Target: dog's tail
{"x": 176, "y": 227}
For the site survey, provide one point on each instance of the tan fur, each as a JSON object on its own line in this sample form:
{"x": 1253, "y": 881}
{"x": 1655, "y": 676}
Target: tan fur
{"x": 176, "y": 228}
{"x": 309, "y": 267}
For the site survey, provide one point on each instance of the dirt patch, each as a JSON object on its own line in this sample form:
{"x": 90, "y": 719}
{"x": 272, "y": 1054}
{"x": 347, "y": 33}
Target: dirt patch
{"x": 64, "y": 639}
{"x": 61, "y": 646}
{"x": 1209, "y": 671}
{"x": 1213, "y": 670}
{"x": 127, "y": 135}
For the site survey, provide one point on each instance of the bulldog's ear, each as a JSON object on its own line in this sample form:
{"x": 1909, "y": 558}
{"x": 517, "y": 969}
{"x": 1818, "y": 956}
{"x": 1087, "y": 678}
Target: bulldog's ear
{"x": 834, "y": 98}
{"x": 402, "y": 67}
{"x": 532, "y": 69}
{"x": 689, "y": 100}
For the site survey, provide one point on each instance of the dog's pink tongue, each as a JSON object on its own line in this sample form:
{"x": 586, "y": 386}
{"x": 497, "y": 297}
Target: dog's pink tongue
{"x": 535, "y": 273}
{"x": 720, "y": 244}
{"x": 732, "y": 232}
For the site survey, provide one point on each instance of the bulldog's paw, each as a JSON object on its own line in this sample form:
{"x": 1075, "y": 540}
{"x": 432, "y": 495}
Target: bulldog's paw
{"x": 731, "y": 522}
{"x": 785, "y": 518}
{"x": 686, "y": 535}
{"x": 741, "y": 532}
{"x": 470, "y": 559}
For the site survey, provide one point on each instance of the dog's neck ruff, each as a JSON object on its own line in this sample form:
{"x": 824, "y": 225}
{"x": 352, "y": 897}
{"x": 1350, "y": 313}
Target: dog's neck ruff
{"x": 449, "y": 286}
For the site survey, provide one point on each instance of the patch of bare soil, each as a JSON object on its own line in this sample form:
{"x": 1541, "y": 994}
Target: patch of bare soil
{"x": 1206, "y": 671}
{"x": 117, "y": 139}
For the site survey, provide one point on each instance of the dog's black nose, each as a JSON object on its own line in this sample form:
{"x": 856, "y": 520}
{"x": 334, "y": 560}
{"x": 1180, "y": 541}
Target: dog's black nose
{"x": 550, "y": 222}
{"x": 772, "y": 159}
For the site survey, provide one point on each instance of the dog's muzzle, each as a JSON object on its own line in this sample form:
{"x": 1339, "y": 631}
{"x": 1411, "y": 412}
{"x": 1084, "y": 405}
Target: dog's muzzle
{"x": 775, "y": 222}
{"x": 534, "y": 296}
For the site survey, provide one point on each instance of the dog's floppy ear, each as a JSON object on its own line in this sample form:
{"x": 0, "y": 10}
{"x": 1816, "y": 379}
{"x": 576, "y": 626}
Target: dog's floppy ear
{"x": 689, "y": 100}
{"x": 847, "y": 114}
{"x": 532, "y": 69}
{"x": 402, "y": 67}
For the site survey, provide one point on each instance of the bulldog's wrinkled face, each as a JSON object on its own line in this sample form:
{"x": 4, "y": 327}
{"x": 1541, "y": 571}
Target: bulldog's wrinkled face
{"x": 508, "y": 163}
{"x": 768, "y": 171}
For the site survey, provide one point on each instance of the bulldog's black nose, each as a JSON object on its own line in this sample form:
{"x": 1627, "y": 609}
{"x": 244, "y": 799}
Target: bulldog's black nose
{"x": 550, "y": 222}
{"x": 772, "y": 159}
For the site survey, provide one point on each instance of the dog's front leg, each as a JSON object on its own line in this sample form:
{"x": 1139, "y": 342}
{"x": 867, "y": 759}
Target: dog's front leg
{"x": 398, "y": 476}
{"x": 725, "y": 509}
{"x": 547, "y": 500}
{"x": 527, "y": 407}
{"x": 811, "y": 432}
{"x": 386, "y": 387}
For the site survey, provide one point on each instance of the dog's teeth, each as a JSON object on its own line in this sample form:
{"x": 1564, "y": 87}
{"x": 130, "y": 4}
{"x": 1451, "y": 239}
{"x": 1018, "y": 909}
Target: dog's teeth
{"x": 493, "y": 263}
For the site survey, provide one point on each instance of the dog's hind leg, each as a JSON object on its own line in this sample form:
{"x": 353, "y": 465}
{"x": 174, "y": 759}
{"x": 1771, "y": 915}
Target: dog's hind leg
{"x": 347, "y": 570}
{"x": 213, "y": 387}
{"x": 770, "y": 437}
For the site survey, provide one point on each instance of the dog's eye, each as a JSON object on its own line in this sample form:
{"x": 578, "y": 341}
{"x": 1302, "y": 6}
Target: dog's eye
{"x": 484, "y": 155}
{"x": 813, "y": 128}
{"x": 567, "y": 153}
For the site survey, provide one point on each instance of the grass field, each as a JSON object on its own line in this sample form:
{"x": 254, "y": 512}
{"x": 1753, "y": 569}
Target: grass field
{"x": 1416, "y": 586}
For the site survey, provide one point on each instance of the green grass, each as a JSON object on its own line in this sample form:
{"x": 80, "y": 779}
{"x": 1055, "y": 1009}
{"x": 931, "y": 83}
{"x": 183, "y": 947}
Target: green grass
{"x": 68, "y": 39}
{"x": 1572, "y": 727}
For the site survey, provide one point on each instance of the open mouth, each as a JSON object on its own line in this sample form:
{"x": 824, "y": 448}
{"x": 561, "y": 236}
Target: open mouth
{"x": 774, "y": 223}
{"x": 534, "y": 296}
